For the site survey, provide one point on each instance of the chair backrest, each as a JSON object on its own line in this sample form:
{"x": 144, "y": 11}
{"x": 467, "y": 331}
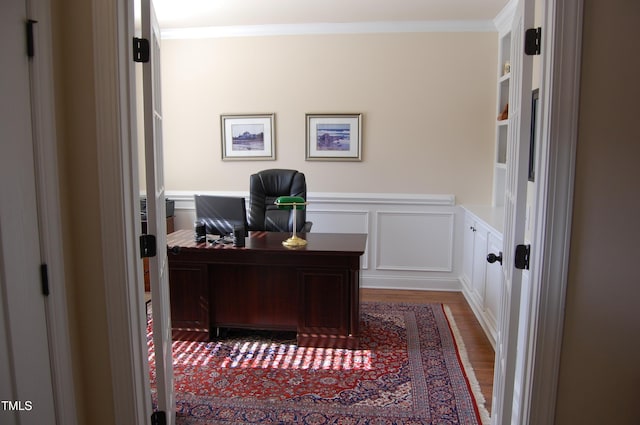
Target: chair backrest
{"x": 267, "y": 185}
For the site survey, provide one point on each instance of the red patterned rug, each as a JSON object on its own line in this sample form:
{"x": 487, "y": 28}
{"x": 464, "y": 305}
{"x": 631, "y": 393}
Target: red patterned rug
{"x": 410, "y": 368}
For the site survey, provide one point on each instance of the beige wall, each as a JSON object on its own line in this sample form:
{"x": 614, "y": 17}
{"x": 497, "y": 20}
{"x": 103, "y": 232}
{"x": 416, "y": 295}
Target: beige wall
{"x": 600, "y": 369}
{"x": 427, "y": 101}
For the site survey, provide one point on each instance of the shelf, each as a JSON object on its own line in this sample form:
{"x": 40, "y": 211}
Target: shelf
{"x": 502, "y": 126}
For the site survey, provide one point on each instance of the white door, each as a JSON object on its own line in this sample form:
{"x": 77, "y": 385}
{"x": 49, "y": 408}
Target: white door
{"x": 515, "y": 206}
{"x": 25, "y": 375}
{"x": 156, "y": 214}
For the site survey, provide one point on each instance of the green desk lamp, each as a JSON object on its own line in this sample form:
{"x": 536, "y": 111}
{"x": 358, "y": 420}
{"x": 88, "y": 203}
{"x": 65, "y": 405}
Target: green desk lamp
{"x": 292, "y": 203}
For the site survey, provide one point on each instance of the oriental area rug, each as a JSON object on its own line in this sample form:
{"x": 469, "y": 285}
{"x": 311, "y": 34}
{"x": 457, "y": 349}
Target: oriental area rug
{"x": 410, "y": 368}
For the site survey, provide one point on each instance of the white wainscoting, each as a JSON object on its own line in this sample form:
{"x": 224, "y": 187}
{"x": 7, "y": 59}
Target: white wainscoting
{"x": 414, "y": 241}
{"x": 402, "y": 236}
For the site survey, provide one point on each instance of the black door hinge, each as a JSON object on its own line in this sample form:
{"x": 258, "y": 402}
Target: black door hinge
{"x": 159, "y": 418}
{"x": 522, "y": 257}
{"x": 140, "y": 50}
{"x": 44, "y": 279}
{"x": 532, "y": 41}
{"x": 148, "y": 246}
{"x": 30, "y": 39}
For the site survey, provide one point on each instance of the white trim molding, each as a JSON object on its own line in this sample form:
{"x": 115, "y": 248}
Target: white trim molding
{"x": 503, "y": 19}
{"x": 562, "y": 46}
{"x": 328, "y": 28}
{"x": 382, "y": 198}
{"x": 118, "y": 182}
{"x": 184, "y": 198}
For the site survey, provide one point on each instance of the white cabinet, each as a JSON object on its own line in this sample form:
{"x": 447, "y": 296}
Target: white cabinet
{"x": 481, "y": 280}
{"x": 493, "y": 283}
{"x": 467, "y": 252}
{"x": 475, "y": 246}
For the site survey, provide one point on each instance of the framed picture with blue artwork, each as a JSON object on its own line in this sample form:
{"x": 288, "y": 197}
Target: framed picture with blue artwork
{"x": 334, "y": 137}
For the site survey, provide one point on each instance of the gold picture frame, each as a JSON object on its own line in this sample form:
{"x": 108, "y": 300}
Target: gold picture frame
{"x": 248, "y": 137}
{"x": 334, "y": 137}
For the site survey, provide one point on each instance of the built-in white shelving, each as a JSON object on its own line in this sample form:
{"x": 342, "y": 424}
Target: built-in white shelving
{"x": 502, "y": 123}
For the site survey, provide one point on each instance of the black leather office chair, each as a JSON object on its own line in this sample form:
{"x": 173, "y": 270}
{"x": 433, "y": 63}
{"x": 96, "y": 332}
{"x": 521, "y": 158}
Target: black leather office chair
{"x": 267, "y": 185}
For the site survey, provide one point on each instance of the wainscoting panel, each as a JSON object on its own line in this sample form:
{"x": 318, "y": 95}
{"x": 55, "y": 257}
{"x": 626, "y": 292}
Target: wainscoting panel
{"x": 342, "y": 221}
{"x": 414, "y": 241}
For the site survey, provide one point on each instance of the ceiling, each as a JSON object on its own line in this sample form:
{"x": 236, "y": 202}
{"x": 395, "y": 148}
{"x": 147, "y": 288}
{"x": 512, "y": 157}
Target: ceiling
{"x": 225, "y": 13}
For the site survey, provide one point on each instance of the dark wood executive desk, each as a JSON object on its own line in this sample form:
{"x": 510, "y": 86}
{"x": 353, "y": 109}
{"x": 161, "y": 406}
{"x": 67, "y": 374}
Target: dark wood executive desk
{"x": 312, "y": 290}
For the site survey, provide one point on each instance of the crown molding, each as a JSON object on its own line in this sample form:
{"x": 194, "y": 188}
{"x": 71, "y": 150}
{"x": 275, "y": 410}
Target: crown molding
{"x": 328, "y": 28}
{"x": 503, "y": 19}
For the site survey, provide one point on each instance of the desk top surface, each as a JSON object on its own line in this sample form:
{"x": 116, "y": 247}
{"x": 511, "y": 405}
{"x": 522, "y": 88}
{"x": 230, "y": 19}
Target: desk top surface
{"x": 348, "y": 243}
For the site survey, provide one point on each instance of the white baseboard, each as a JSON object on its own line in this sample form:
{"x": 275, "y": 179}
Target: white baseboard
{"x": 480, "y": 315}
{"x": 409, "y": 283}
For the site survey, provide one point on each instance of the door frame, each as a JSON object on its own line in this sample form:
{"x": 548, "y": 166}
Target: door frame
{"x": 117, "y": 148}
{"x": 555, "y": 175}
{"x": 115, "y": 89}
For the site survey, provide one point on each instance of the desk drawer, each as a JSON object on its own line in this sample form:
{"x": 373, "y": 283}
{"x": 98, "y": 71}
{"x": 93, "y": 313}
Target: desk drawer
{"x": 189, "y": 294}
{"x": 259, "y": 297}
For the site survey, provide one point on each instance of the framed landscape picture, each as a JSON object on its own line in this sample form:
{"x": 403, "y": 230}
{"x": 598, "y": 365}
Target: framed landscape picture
{"x": 248, "y": 137}
{"x": 334, "y": 137}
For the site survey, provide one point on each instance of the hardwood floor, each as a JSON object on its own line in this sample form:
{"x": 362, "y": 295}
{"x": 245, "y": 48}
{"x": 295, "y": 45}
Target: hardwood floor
{"x": 479, "y": 350}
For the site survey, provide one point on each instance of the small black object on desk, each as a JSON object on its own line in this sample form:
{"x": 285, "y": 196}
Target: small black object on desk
{"x": 200, "y": 230}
